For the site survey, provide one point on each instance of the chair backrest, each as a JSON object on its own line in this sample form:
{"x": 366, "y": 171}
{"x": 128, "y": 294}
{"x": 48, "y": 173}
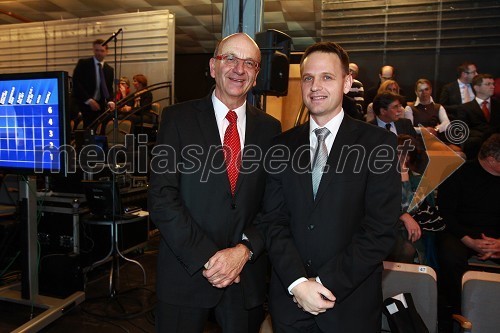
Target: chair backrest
{"x": 155, "y": 108}
{"x": 124, "y": 128}
{"x": 480, "y": 296}
{"x": 420, "y": 281}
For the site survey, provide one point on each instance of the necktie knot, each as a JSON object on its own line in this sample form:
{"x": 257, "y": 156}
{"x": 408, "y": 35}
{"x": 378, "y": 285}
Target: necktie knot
{"x": 388, "y": 126}
{"x": 232, "y": 117}
{"x": 321, "y": 133}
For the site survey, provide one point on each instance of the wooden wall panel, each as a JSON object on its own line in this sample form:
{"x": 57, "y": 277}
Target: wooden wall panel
{"x": 146, "y": 45}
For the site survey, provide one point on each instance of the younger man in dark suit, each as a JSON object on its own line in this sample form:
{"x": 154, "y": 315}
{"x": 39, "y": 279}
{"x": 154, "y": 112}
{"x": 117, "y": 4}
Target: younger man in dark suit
{"x": 330, "y": 208}
{"x": 90, "y": 95}
{"x": 459, "y": 91}
{"x": 204, "y": 199}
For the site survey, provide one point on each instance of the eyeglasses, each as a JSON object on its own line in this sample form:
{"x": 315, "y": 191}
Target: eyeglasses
{"x": 233, "y": 61}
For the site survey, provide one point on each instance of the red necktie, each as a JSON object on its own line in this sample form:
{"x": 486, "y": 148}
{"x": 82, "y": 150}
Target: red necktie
{"x": 486, "y": 111}
{"x": 232, "y": 149}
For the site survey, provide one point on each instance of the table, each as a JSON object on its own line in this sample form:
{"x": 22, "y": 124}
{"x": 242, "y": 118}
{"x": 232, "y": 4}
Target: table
{"x": 114, "y": 253}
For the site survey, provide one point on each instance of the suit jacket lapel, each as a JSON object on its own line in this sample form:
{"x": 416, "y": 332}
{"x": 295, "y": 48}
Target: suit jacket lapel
{"x": 344, "y": 138}
{"x": 250, "y": 139}
{"x": 301, "y": 161}
{"x": 209, "y": 130}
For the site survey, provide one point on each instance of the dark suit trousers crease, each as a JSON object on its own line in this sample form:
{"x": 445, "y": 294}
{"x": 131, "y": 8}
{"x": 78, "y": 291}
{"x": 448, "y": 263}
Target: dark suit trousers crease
{"x": 230, "y": 314}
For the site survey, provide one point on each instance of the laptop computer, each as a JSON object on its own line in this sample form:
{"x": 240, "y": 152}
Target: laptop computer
{"x": 104, "y": 200}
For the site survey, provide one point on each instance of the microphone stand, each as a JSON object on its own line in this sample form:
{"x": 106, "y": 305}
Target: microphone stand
{"x": 115, "y": 261}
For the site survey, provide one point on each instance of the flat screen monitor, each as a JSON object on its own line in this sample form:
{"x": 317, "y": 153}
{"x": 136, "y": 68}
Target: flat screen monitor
{"x": 33, "y": 126}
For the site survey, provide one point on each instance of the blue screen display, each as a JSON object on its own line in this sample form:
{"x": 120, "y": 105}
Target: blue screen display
{"x": 29, "y": 124}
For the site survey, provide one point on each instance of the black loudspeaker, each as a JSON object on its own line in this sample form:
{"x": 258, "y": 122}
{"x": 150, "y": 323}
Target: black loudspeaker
{"x": 275, "y": 64}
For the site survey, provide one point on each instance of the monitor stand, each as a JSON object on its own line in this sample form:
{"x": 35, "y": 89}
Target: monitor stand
{"x": 26, "y": 293}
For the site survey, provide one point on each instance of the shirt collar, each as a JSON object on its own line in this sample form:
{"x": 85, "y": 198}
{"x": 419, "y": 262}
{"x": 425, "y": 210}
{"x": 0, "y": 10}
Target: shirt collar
{"x": 417, "y": 101}
{"x": 462, "y": 85}
{"x": 333, "y": 125}
{"x": 98, "y": 62}
{"x": 221, "y": 109}
{"x": 480, "y": 101}
{"x": 381, "y": 123}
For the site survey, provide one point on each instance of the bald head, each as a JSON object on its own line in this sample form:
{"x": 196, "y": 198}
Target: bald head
{"x": 386, "y": 73}
{"x": 240, "y": 41}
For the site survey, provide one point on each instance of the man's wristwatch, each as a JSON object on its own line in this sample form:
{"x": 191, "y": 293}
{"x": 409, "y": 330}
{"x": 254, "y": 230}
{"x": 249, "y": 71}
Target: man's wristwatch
{"x": 249, "y": 246}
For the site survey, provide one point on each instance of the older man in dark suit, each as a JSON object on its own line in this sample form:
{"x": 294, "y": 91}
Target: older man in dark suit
{"x": 204, "y": 199}
{"x": 330, "y": 208}
{"x": 91, "y": 90}
{"x": 388, "y": 108}
{"x": 482, "y": 114}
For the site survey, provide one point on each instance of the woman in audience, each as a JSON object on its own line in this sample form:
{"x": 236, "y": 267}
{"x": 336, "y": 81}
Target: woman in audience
{"x": 139, "y": 111}
{"x": 415, "y": 241}
{"x": 388, "y": 85}
{"x": 123, "y": 89}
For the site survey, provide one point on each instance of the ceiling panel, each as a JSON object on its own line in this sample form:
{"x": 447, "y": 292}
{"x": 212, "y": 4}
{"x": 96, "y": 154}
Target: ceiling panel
{"x": 198, "y": 22}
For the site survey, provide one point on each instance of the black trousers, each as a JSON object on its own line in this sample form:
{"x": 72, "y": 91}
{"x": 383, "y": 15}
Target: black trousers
{"x": 230, "y": 314}
{"x": 301, "y": 326}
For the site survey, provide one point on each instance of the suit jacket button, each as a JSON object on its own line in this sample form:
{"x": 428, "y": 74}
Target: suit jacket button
{"x": 233, "y": 206}
{"x": 310, "y": 226}
{"x": 309, "y": 263}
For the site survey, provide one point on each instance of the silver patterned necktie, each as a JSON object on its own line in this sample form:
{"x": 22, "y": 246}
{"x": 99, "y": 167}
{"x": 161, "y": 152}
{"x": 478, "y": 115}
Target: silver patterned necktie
{"x": 320, "y": 157}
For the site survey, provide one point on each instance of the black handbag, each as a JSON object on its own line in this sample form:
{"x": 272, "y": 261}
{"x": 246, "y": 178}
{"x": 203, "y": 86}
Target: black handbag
{"x": 401, "y": 318}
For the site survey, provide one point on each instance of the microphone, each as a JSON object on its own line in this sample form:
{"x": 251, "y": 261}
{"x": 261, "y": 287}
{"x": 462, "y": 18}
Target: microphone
{"x": 111, "y": 37}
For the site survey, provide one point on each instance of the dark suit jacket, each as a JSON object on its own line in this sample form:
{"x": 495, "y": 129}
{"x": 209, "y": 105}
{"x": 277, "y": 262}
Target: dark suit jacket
{"x": 451, "y": 99}
{"x": 84, "y": 85}
{"x": 473, "y": 116}
{"x": 350, "y": 107}
{"x": 344, "y": 235}
{"x": 403, "y": 126}
{"x": 192, "y": 206}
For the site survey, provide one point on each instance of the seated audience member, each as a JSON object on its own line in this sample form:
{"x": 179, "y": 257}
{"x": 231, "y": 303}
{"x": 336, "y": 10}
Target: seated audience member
{"x": 388, "y": 109}
{"x": 387, "y": 85}
{"x": 123, "y": 89}
{"x": 385, "y": 73}
{"x": 357, "y": 91}
{"x": 425, "y": 112}
{"x": 468, "y": 202}
{"x": 482, "y": 114}
{"x": 139, "y": 112}
{"x": 415, "y": 240}
{"x": 459, "y": 91}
